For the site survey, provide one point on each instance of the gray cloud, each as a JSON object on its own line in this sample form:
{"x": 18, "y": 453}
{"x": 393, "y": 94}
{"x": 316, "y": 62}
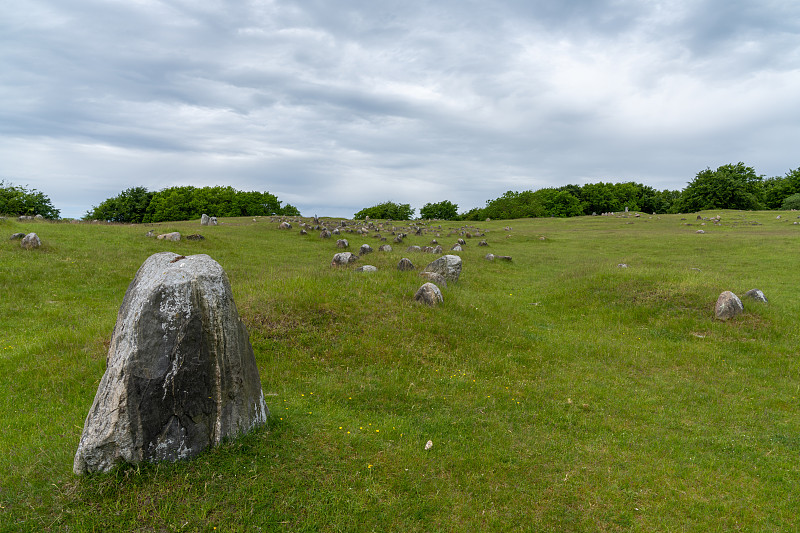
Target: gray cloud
{"x": 337, "y": 106}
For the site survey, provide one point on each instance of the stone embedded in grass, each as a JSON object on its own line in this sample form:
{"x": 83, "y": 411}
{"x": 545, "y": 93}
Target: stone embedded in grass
{"x": 324, "y": 234}
{"x": 413, "y": 249}
{"x": 30, "y": 241}
{"x": 342, "y": 243}
{"x": 405, "y": 265}
{"x": 483, "y": 243}
{"x": 174, "y": 236}
{"x": 435, "y": 278}
{"x": 449, "y": 266}
{"x": 16, "y": 236}
{"x": 489, "y": 257}
{"x": 343, "y": 259}
{"x": 367, "y": 268}
{"x": 757, "y": 295}
{"x": 456, "y": 248}
{"x": 365, "y": 249}
{"x": 728, "y": 306}
{"x": 204, "y": 219}
{"x": 385, "y": 248}
{"x": 700, "y": 231}
{"x": 285, "y": 225}
{"x": 429, "y": 294}
{"x": 212, "y": 221}
{"x": 181, "y": 375}
{"x": 195, "y": 237}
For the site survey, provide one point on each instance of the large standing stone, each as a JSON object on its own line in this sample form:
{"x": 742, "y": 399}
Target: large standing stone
{"x": 30, "y": 241}
{"x": 728, "y": 306}
{"x": 181, "y": 374}
{"x": 429, "y": 294}
{"x": 448, "y": 266}
{"x": 204, "y": 220}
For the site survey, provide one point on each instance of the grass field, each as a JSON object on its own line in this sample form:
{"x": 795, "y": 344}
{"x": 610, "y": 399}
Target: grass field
{"x": 560, "y": 391}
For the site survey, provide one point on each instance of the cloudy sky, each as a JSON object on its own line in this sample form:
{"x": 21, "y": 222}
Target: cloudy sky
{"x": 338, "y": 105}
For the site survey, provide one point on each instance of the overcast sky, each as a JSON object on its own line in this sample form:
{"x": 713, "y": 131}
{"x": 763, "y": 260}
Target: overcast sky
{"x": 338, "y": 105}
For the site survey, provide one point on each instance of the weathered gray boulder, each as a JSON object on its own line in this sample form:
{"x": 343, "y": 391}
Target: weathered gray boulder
{"x": 174, "y": 236}
{"x": 41, "y": 217}
{"x": 728, "y": 306}
{"x": 449, "y": 266}
{"x": 437, "y": 249}
{"x": 365, "y": 249}
{"x": 343, "y": 259}
{"x": 756, "y": 294}
{"x": 204, "y": 220}
{"x": 412, "y": 249}
{"x": 367, "y": 268}
{"x": 385, "y": 248}
{"x": 212, "y": 221}
{"x": 434, "y": 278}
{"x": 405, "y": 265}
{"x": 181, "y": 374}
{"x": 342, "y": 243}
{"x": 489, "y": 257}
{"x": 30, "y": 241}
{"x": 16, "y": 236}
{"x": 456, "y": 248}
{"x": 284, "y": 225}
{"x": 429, "y": 294}
{"x": 324, "y": 234}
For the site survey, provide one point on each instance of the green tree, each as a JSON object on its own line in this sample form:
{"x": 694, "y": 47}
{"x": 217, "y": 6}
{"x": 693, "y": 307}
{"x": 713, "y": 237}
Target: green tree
{"x": 729, "y": 187}
{"x": 289, "y": 210}
{"x": 386, "y": 210}
{"x": 444, "y": 210}
{"x": 16, "y": 200}
{"x": 778, "y": 189}
{"x": 791, "y": 202}
{"x": 130, "y": 206}
{"x": 559, "y": 203}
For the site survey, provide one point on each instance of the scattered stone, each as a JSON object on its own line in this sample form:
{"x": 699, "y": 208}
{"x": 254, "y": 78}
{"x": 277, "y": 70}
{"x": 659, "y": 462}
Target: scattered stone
{"x": 151, "y": 233}
{"x": 483, "y": 243}
{"x": 16, "y": 236}
{"x": 503, "y": 258}
{"x": 342, "y": 243}
{"x": 181, "y": 375}
{"x": 324, "y": 234}
{"x": 489, "y": 257}
{"x": 303, "y": 232}
{"x": 429, "y": 294}
{"x": 30, "y": 241}
{"x": 412, "y": 249}
{"x": 385, "y": 248}
{"x": 728, "y": 306}
{"x": 343, "y": 259}
{"x": 462, "y": 242}
{"x": 174, "y": 236}
{"x": 365, "y": 249}
{"x": 40, "y": 217}
{"x": 622, "y": 265}
{"x": 456, "y": 248}
{"x": 367, "y": 268}
{"x": 335, "y": 231}
{"x": 699, "y": 231}
{"x": 285, "y": 225}
{"x": 434, "y": 241}
{"x": 429, "y": 444}
{"x": 405, "y": 265}
{"x": 434, "y": 278}
{"x": 204, "y": 220}
{"x": 437, "y": 250}
{"x": 195, "y": 237}
{"x": 448, "y": 266}
{"x": 756, "y": 294}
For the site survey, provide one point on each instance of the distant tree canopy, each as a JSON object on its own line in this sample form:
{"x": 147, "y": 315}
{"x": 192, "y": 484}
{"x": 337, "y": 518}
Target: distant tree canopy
{"x": 386, "y": 210}
{"x": 137, "y": 204}
{"x": 444, "y": 210}
{"x": 729, "y": 187}
{"x": 16, "y": 200}
{"x": 779, "y": 189}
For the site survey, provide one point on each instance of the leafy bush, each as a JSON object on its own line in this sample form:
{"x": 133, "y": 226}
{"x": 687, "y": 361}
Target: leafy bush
{"x": 729, "y": 187}
{"x": 444, "y": 210}
{"x": 792, "y": 202}
{"x": 386, "y": 210}
{"x": 16, "y": 200}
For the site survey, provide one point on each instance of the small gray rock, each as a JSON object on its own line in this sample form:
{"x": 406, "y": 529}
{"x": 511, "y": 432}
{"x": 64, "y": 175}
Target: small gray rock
{"x": 489, "y": 257}
{"x": 434, "y": 278}
{"x": 448, "y": 266}
{"x": 174, "y": 236}
{"x": 756, "y": 294}
{"x": 367, "y": 268}
{"x": 342, "y": 243}
{"x": 285, "y": 225}
{"x": 343, "y": 259}
{"x": 16, "y": 236}
{"x": 30, "y": 241}
{"x": 483, "y": 243}
{"x": 413, "y": 249}
{"x": 405, "y": 265}
{"x": 728, "y": 306}
{"x": 385, "y": 248}
{"x": 365, "y": 249}
{"x": 195, "y": 237}
{"x": 429, "y": 294}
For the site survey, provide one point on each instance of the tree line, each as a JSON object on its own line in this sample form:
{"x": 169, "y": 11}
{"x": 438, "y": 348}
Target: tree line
{"x": 137, "y": 204}
{"x": 731, "y": 186}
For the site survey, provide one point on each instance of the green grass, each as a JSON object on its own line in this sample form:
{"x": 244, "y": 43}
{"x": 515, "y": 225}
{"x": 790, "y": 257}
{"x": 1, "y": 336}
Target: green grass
{"x": 561, "y": 392}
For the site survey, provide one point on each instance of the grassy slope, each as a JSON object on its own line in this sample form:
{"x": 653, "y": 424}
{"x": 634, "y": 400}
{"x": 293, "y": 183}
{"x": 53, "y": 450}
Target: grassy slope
{"x": 560, "y": 391}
